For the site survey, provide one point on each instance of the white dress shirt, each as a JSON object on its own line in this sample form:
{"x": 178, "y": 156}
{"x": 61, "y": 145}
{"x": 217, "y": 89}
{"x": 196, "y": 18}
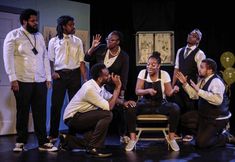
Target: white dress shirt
{"x": 58, "y": 52}
{"x": 89, "y": 97}
{"x": 165, "y": 78}
{"x": 198, "y": 57}
{"x": 214, "y": 94}
{"x": 20, "y": 61}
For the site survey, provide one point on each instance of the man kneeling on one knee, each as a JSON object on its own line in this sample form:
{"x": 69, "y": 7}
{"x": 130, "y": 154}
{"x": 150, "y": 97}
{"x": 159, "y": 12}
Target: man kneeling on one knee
{"x": 89, "y": 110}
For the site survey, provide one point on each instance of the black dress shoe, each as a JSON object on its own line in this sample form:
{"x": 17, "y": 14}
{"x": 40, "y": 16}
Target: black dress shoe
{"x": 63, "y": 144}
{"x": 230, "y": 138}
{"x": 98, "y": 153}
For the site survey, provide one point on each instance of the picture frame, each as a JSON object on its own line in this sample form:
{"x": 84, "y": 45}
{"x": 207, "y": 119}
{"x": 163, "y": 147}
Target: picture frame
{"x": 149, "y": 41}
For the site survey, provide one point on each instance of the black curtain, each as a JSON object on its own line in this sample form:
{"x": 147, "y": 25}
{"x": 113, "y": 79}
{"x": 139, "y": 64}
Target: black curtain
{"x": 215, "y": 22}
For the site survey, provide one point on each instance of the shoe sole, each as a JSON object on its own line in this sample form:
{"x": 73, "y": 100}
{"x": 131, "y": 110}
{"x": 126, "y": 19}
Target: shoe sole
{"x": 100, "y": 156}
{"x": 48, "y": 150}
{"x": 170, "y": 145}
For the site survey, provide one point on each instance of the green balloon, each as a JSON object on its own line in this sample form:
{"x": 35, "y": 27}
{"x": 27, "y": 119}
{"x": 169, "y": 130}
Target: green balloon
{"x": 227, "y": 59}
{"x": 229, "y": 75}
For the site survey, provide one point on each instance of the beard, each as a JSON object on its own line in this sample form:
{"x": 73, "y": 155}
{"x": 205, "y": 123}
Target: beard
{"x": 31, "y": 29}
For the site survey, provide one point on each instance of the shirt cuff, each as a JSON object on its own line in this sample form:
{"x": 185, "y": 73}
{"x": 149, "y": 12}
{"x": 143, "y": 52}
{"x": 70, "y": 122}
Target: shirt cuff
{"x": 200, "y": 92}
{"x": 106, "y": 106}
{"x": 186, "y": 85}
{"x": 48, "y": 78}
{"x": 12, "y": 77}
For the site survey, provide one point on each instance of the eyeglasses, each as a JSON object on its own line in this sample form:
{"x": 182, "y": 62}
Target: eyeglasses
{"x": 111, "y": 40}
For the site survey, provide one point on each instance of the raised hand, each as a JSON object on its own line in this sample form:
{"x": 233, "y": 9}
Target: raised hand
{"x": 96, "y": 40}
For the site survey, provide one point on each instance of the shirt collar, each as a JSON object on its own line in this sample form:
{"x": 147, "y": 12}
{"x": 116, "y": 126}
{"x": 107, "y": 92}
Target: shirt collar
{"x": 192, "y": 47}
{"x": 67, "y": 36}
{"x": 97, "y": 87}
{"x": 207, "y": 78}
{"x": 24, "y": 30}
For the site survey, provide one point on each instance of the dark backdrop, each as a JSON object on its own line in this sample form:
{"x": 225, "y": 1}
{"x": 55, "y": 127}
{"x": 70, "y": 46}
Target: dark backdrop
{"x": 215, "y": 22}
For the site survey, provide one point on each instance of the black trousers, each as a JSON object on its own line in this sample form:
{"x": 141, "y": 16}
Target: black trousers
{"x": 32, "y": 95}
{"x": 210, "y": 133}
{"x": 169, "y": 108}
{"x": 118, "y": 123}
{"x": 70, "y": 81}
{"x": 93, "y": 124}
{"x": 185, "y": 103}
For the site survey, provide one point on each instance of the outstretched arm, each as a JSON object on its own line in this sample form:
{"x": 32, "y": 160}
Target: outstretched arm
{"x": 190, "y": 90}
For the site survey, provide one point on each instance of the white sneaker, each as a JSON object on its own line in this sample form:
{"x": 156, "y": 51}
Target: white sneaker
{"x": 173, "y": 144}
{"x": 19, "y": 147}
{"x": 124, "y": 139}
{"x": 188, "y": 138}
{"x": 131, "y": 145}
{"x": 48, "y": 147}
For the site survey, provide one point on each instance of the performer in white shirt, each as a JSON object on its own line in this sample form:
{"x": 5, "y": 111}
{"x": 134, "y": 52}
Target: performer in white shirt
{"x": 89, "y": 111}
{"x": 154, "y": 84}
{"x": 27, "y": 65}
{"x": 67, "y": 62}
{"x": 213, "y": 105}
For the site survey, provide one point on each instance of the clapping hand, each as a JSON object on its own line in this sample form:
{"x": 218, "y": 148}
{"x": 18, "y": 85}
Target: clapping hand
{"x": 195, "y": 86}
{"x": 180, "y": 76}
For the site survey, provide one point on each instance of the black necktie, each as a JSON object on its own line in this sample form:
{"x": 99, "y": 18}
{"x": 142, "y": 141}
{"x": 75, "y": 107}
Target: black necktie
{"x": 186, "y": 53}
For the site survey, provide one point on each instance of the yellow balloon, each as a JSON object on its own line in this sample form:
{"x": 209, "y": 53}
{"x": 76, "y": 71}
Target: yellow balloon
{"x": 229, "y": 75}
{"x": 227, "y": 59}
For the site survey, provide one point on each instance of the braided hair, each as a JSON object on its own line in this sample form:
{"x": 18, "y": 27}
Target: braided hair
{"x": 62, "y": 21}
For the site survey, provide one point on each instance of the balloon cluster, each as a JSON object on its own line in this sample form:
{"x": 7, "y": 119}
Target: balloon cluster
{"x": 227, "y": 60}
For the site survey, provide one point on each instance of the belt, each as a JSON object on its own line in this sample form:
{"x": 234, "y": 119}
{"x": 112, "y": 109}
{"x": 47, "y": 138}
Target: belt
{"x": 67, "y": 70}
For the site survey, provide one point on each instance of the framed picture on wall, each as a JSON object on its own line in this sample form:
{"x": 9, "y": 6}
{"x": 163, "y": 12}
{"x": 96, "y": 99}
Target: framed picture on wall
{"x": 149, "y": 41}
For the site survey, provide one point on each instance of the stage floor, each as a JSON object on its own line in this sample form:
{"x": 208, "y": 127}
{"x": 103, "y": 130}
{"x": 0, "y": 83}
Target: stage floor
{"x": 146, "y": 151}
